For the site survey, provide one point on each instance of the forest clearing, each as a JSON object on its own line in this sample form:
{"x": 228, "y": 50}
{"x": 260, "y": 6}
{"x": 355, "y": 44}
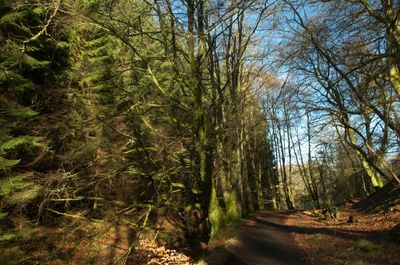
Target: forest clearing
{"x": 200, "y": 132}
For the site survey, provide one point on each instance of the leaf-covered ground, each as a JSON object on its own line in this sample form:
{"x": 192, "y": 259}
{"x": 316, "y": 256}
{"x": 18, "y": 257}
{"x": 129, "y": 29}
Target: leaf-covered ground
{"x": 368, "y": 240}
{"x": 371, "y": 239}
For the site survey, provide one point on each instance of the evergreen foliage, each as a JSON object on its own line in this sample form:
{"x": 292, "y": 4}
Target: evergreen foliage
{"x": 30, "y": 63}
{"x": 99, "y": 116}
{"x": 139, "y": 116}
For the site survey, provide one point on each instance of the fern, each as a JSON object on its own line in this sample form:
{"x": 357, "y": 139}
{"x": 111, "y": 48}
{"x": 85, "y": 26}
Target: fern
{"x": 30, "y": 63}
{"x": 18, "y": 189}
{"x": 12, "y": 60}
{"x": 18, "y": 142}
{"x": 16, "y": 83}
{"x": 23, "y": 234}
{"x": 11, "y": 77}
{"x": 15, "y": 110}
{"x": 24, "y": 196}
{"x": 63, "y": 45}
{"x": 23, "y": 112}
{"x": 11, "y": 19}
{"x": 13, "y": 22}
{"x": 38, "y": 13}
{"x": 3, "y": 216}
{"x": 6, "y": 164}
{"x": 13, "y": 184}
{"x": 8, "y": 237}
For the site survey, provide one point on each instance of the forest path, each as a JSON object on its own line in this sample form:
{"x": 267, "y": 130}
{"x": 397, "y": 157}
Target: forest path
{"x": 265, "y": 239}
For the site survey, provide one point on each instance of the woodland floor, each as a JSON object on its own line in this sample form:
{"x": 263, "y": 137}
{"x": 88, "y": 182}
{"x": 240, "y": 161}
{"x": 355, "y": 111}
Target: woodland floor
{"x": 267, "y": 238}
{"x": 300, "y": 237}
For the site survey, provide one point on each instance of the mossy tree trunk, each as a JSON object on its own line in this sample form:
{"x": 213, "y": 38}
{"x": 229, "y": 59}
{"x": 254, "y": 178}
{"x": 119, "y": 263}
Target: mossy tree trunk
{"x": 204, "y": 149}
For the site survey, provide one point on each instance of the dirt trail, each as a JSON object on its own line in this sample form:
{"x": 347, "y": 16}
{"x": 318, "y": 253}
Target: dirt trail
{"x": 265, "y": 240}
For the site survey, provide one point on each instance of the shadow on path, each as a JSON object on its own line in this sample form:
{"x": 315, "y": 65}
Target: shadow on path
{"x": 265, "y": 240}
{"x": 337, "y": 232}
